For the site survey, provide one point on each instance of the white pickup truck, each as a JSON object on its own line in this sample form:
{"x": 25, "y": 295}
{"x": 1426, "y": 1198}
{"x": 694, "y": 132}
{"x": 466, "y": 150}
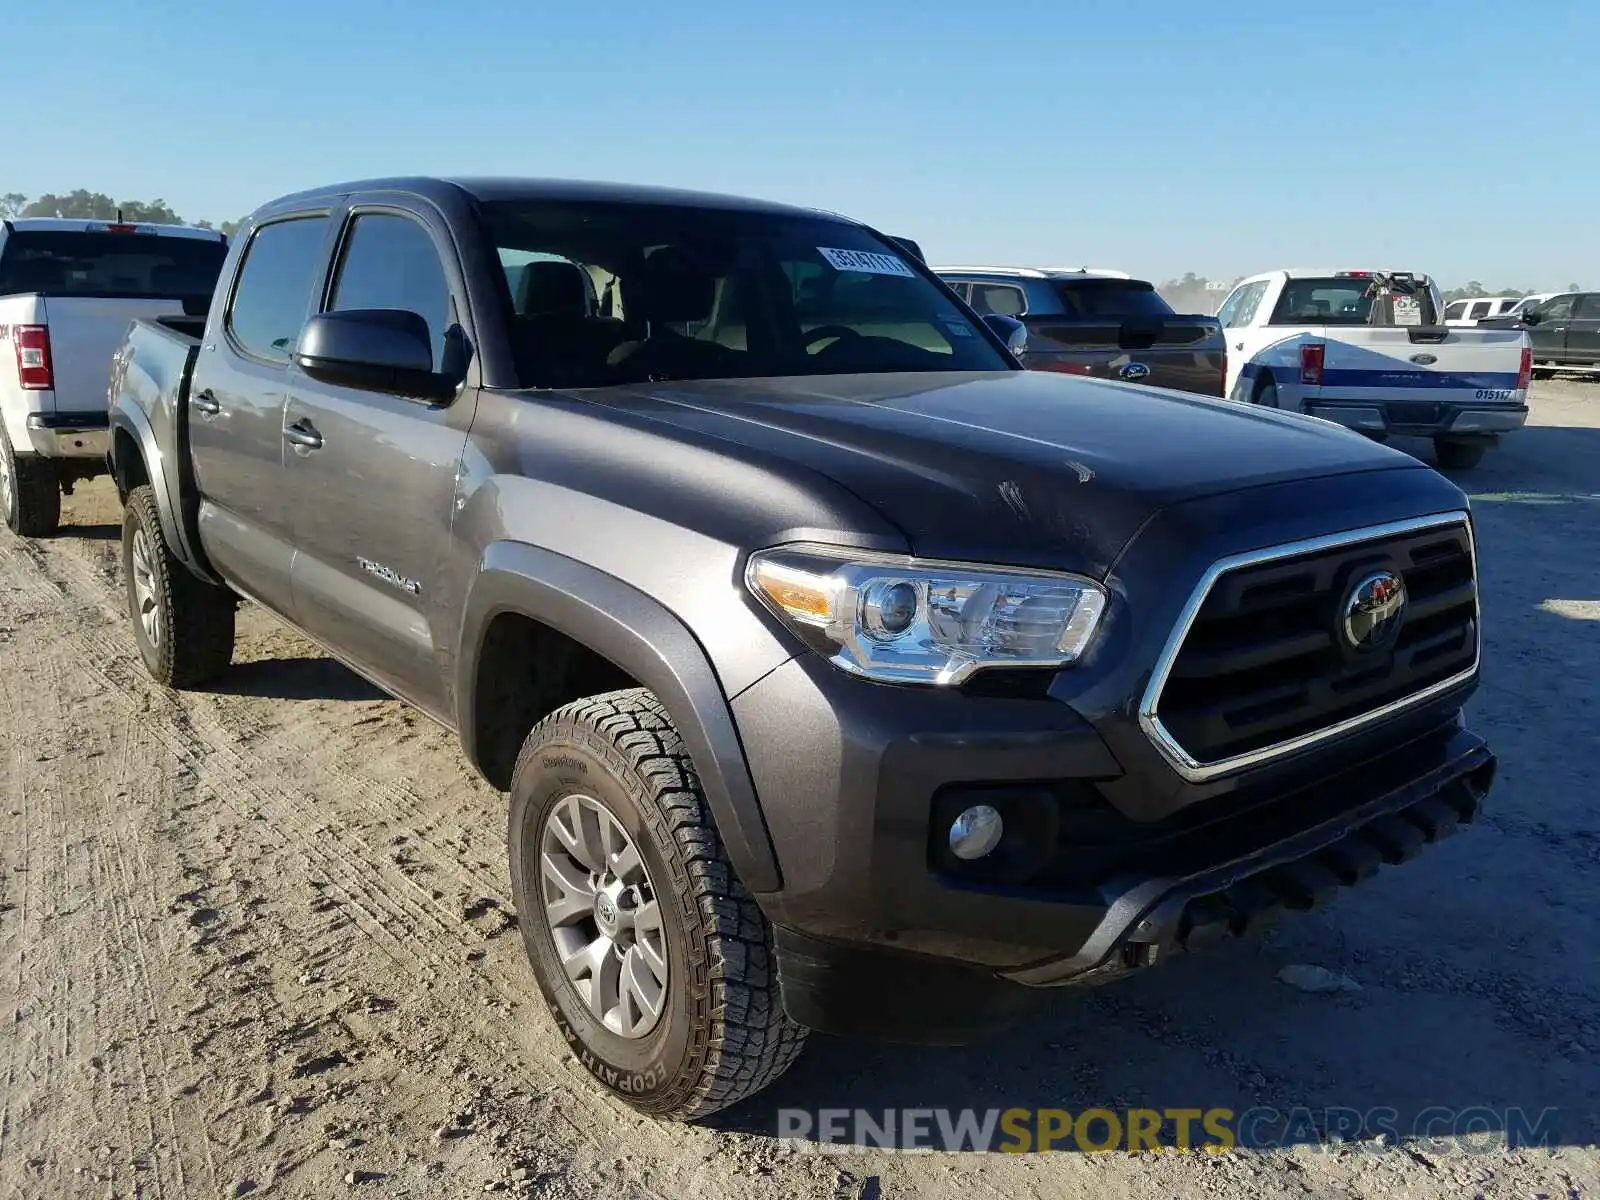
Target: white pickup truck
{"x": 1367, "y": 349}
{"x": 68, "y": 291}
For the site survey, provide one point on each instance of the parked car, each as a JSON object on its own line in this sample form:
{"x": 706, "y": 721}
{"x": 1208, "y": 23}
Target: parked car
{"x": 1365, "y": 349}
{"x": 68, "y": 289}
{"x": 1477, "y": 308}
{"x": 841, "y": 673}
{"x": 1100, "y": 323}
{"x": 1563, "y": 331}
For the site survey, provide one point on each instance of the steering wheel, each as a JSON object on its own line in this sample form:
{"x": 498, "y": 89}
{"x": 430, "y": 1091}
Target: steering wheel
{"x": 829, "y": 331}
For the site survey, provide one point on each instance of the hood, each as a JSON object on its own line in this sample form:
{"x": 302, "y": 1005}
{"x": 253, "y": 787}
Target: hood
{"x": 1023, "y": 467}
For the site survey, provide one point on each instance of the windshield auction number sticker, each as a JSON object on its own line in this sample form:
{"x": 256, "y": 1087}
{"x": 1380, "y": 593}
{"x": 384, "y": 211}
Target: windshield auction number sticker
{"x": 866, "y": 262}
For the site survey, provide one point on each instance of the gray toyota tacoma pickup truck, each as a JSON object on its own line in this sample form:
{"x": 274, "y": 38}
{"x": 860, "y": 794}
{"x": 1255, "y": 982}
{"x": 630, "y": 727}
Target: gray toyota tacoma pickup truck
{"x": 841, "y": 674}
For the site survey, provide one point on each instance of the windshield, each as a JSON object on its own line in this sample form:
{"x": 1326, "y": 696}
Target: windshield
{"x": 622, "y": 293}
{"x": 65, "y": 262}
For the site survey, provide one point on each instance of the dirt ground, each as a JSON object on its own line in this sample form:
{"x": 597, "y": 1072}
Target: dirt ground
{"x": 259, "y": 941}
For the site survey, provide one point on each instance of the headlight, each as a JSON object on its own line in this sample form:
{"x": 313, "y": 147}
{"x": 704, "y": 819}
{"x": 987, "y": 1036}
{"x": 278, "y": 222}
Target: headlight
{"x": 908, "y": 620}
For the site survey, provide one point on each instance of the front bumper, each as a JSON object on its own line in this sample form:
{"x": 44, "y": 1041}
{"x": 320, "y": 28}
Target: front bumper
{"x": 874, "y": 908}
{"x": 1421, "y": 419}
{"x": 70, "y": 435}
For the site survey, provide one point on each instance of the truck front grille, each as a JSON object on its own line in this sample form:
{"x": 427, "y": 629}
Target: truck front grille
{"x": 1260, "y": 664}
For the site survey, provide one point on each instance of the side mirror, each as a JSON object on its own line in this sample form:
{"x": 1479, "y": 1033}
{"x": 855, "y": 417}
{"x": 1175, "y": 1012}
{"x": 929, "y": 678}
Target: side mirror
{"x": 1530, "y": 316}
{"x": 373, "y": 349}
{"x": 1009, "y": 330}
{"x": 911, "y": 248}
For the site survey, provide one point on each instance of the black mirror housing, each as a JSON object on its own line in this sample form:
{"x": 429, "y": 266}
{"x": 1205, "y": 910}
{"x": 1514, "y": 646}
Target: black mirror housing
{"x": 372, "y": 349}
{"x": 1009, "y": 330}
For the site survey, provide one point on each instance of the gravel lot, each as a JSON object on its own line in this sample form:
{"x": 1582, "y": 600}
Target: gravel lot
{"x": 259, "y": 941}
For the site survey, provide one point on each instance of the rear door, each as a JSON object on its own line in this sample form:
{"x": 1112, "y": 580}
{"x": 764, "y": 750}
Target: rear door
{"x": 372, "y": 501}
{"x": 236, "y": 400}
{"x": 1583, "y": 335}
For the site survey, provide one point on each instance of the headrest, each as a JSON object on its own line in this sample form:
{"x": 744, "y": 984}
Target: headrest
{"x": 670, "y": 288}
{"x": 553, "y": 289}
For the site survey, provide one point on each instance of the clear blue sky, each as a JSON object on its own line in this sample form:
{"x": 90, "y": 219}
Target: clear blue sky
{"x": 1461, "y": 138}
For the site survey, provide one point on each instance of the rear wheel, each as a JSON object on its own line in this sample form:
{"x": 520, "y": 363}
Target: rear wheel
{"x": 1459, "y": 454}
{"x": 184, "y": 626}
{"x": 30, "y": 496}
{"x": 656, "y": 963}
{"x": 1266, "y": 393}
{"x": 1543, "y": 373}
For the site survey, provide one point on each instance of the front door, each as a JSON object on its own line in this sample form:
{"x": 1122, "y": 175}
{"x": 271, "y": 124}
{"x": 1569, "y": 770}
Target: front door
{"x": 1549, "y": 336}
{"x": 236, "y": 401}
{"x": 373, "y": 475}
{"x": 1583, "y": 335}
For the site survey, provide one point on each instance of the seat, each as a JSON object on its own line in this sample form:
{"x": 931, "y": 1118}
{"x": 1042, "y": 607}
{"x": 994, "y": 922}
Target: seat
{"x": 669, "y": 289}
{"x": 559, "y": 342}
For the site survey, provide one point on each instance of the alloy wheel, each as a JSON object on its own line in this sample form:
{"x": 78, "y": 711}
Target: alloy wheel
{"x": 600, "y": 908}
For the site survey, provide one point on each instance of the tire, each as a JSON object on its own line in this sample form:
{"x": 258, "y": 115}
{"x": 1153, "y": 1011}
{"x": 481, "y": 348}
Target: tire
{"x": 30, "y": 496}
{"x": 720, "y": 1033}
{"x": 184, "y": 626}
{"x": 1266, "y": 393}
{"x": 1459, "y": 455}
{"x": 1543, "y": 373}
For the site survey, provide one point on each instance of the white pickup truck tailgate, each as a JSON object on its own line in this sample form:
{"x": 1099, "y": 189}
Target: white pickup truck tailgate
{"x": 85, "y": 332}
{"x": 1447, "y": 365}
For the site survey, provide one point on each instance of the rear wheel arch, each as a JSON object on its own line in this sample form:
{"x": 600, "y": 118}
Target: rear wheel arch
{"x": 596, "y": 632}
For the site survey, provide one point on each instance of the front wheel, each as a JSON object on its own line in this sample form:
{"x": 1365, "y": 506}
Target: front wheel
{"x": 1456, "y": 454}
{"x": 656, "y": 963}
{"x": 184, "y": 626}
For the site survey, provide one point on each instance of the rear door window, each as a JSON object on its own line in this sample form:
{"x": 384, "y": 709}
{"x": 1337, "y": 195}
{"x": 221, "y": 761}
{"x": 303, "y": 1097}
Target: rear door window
{"x": 1588, "y": 307}
{"x": 1479, "y": 310}
{"x": 281, "y": 274}
{"x": 1003, "y": 299}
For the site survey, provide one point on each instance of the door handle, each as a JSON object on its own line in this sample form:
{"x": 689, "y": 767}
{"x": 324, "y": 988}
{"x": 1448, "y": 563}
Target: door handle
{"x": 204, "y": 401}
{"x": 303, "y": 433}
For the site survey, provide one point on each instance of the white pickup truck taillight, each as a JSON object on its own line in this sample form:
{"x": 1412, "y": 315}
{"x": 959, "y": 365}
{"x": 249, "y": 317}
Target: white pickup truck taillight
{"x": 1525, "y": 372}
{"x": 34, "y": 372}
{"x": 1311, "y": 356}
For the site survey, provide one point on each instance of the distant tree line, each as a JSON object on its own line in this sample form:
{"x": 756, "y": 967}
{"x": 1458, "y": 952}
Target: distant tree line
{"x": 97, "y": 206}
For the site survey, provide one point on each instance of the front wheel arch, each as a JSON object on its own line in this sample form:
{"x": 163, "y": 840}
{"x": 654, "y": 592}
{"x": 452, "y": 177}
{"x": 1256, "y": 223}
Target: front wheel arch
{"x": 645, "y": 643}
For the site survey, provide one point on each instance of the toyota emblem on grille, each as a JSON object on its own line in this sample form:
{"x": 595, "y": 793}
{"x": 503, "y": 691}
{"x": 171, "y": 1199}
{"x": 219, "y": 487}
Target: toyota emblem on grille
{"x": 1133, "y": 372}
{"x": 1373, "y": 611}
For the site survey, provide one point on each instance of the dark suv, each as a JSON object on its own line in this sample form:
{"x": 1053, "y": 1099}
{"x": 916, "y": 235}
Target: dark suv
{"x": 1099, "y": 323}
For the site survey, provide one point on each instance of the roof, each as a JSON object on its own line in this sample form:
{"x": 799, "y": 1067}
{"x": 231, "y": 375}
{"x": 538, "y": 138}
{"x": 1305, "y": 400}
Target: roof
{"x": 1036, "y": 272}
{"x": 83, "y": 225}
{"x": 490, "y": 189}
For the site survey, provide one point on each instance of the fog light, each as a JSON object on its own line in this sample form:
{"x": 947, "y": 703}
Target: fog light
{"x": 976, "y": 832}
